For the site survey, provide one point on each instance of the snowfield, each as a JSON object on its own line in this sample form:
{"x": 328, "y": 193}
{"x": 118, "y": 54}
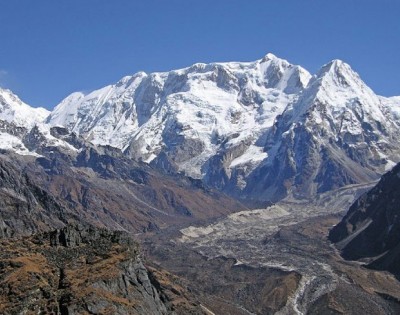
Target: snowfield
{"x": 264, "y": 129}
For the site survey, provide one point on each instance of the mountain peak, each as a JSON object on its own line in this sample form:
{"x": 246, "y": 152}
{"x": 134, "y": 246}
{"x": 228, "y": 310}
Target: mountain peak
{"x": 274, "y": 60}
{"x": 8, "y": 96}
{"x": 221, "y": 122}
{"x": 12, "y": 109}
{"x": 130, "y": 80}
{"x": 339, "y": 69}
{"x": 337, "y": 75}
{"x": 270, "y": 56}
{"x": 336, "y": 63}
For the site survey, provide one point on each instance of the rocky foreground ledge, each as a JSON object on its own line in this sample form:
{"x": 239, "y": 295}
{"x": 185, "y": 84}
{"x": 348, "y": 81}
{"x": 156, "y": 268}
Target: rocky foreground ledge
{"x": 85, "y": 270}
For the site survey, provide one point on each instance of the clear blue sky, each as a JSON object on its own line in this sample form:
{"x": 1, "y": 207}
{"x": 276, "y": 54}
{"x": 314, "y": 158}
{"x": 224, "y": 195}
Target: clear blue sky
{"x": 50, "y": 48}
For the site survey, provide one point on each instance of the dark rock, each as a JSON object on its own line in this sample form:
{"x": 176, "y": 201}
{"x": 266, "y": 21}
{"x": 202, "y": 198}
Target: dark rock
{"x": 371, "y": 229}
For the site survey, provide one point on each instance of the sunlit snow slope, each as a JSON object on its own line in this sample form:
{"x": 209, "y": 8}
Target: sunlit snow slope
{"x": 187, "y": 114}
{"x": 265, "y": 129}
{"x": 22, "y": 127}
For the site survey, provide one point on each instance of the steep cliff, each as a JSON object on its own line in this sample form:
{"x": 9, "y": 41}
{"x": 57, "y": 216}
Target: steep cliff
{"x": 370, "y": 231}
{"x": 82, "y": 270}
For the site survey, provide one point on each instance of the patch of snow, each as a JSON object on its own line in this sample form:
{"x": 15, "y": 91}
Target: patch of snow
{"x": 12, "y": 143}
{"x": 253, "y": 155}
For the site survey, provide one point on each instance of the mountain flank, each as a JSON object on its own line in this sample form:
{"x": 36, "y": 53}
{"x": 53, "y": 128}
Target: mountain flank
{"x": 85, "y": 270}
{"x": 370, "y": 231}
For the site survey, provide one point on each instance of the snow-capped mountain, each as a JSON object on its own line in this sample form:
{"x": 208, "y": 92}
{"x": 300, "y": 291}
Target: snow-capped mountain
{"x": 265, "y": 129}
{"x": 12, "y": 109}
{"x": 22, "y": 127}
{"x": 338, "y": 132}
{"x": 186, "y": 115}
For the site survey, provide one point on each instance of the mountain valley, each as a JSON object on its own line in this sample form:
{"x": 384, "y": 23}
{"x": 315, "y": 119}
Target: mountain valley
{"x": 235, "y": 179}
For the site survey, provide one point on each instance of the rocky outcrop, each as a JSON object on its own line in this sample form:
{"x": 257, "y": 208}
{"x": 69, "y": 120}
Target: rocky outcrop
{"x": 79, "y": 270}
{"x": 84, "y": 269}
{"x": 25, "y": 207}
{"x": 370, "y": 231}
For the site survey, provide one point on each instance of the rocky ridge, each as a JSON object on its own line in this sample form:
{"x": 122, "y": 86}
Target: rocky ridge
{"x": 370, "y": 231}
{"x": 100, "y": 186}
{"x": 82, "y": 270}
{"x": 24, "y": 206}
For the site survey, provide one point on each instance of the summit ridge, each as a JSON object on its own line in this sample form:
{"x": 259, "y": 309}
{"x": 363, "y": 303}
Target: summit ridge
{"x": 265, "y": 129}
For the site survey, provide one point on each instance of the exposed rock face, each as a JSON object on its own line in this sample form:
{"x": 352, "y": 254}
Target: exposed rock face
{"x": 98, "y": 185}
{"x": 76, "y": 270}
{"x": 25, "y": 207}
{"x": 79, "y": 270}
{"x": 370, "y": 231}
